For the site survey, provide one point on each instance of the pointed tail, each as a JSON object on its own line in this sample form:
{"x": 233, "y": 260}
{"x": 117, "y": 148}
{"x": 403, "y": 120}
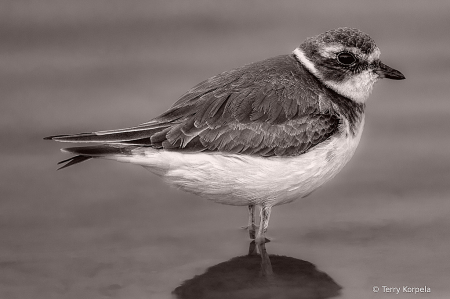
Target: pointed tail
{"x": 84, "y": 153}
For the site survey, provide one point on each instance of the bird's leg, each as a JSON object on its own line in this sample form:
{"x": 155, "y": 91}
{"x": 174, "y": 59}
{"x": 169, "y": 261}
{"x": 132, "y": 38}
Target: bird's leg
{"x": 252, "y": 248}
{"x": 266, "y": 266}
{"x": 251, "y": 222}
{"x": 263, "y": 224}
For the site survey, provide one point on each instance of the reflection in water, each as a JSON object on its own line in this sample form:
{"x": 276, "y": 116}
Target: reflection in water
{"x": 260, "y": 276}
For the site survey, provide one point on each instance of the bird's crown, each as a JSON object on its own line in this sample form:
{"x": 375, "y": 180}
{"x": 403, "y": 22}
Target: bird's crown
{"x": 347, "y": 37}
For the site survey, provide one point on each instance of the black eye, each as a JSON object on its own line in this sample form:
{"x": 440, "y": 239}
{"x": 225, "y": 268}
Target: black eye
{"x": 346, "y": 58}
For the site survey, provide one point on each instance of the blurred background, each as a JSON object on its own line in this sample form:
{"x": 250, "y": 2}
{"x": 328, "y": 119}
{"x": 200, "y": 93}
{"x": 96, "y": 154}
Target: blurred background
{"x": 110, "y": 230}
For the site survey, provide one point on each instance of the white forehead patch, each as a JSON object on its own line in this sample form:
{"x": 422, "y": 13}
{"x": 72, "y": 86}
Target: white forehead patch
{"x": 375, "y": 55}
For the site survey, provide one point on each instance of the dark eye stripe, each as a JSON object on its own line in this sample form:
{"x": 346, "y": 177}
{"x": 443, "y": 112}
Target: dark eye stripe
{"x": 346, "y": 58}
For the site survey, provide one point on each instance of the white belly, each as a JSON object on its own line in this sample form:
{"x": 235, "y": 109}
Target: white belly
{"x": 243, "y": 180}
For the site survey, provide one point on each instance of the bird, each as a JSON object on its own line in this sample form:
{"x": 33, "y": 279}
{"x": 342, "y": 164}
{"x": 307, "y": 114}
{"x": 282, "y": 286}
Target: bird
{"x": 260, "y": 135}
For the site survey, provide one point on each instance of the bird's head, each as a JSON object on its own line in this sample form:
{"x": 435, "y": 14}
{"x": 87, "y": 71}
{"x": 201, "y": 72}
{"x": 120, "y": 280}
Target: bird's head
{"x": 346, "y": 60}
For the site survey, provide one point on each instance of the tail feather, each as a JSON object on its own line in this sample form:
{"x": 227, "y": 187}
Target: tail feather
{"x": 141, "y": 133}
{"x": 114, "y": 142}
{"x": 73, "y": 160}
{"x": 100, "y": 150}
{"x": 84, "y": 153}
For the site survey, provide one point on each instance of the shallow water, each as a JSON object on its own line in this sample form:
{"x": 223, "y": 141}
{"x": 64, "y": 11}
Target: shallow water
{"x": 110, "y": 230}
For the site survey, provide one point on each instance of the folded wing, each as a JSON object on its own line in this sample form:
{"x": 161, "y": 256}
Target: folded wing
{"x": 269, "y": 108}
